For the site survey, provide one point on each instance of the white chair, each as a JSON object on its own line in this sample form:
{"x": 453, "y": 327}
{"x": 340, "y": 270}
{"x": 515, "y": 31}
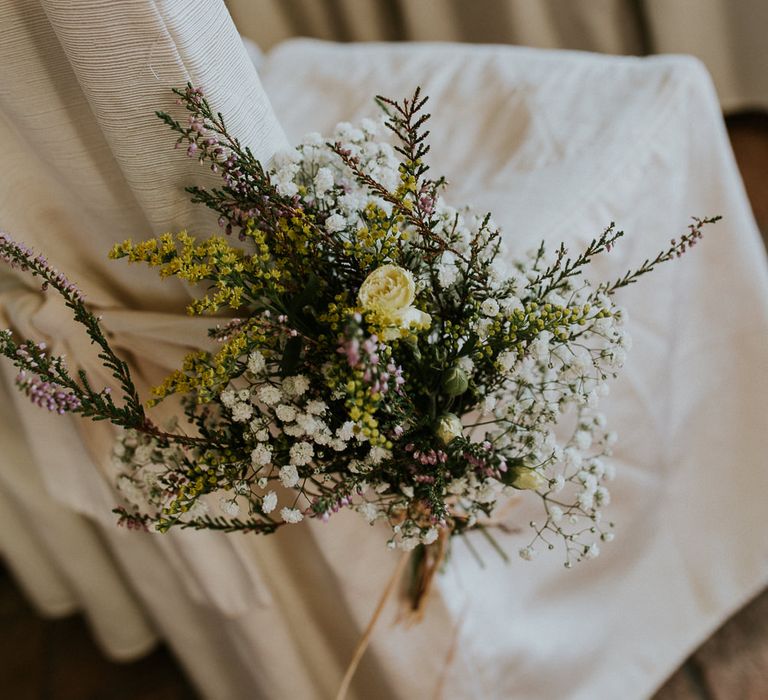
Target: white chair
{"x": 556, "y": 144}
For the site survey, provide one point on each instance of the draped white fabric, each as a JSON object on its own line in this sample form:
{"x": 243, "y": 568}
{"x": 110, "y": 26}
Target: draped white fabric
{"x": 728, "y": 36}
{"x": 556, "y": 145}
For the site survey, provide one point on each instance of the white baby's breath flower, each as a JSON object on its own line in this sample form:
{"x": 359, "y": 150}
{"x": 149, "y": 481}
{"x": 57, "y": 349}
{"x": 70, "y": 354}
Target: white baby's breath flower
{"x": 483, "y": 328}
{"x": 592, "y": 551}
{"x": 323, "y": 181}
{"x": 586, "y": 500}
{"x": 261, "y": 455}
{"x": 377, "y": 455}
{"x": 286, "y": 187}
{"x": 489, "y": 491}
{"x": 317, "y": 407}
{"x": 602, "y": 496}
{"x": 285, "y": 158}
{"x": 296, "y": 385}
{"x": 370, "y": 127}
{"x": 269, "y": 502}
{"x": 289, "y": 475}
{"x": 506, "y": 360}
{"x": 291, "y": 515}
{"x": 583, "y": 439}
{"x": 229, "y": 506}
{"x": 269, "y": 394}
{"x": 347, "y": 431}
{"x": 313, "y": 138}
{"x": 228, "y": 398}
{"x": 301, "y": 453}
{"x": 143, "y": 454}
{"x": 447, "y": 271}
{"x": 510, "y": 304}
{"x": 241, "y": 412}
{"x": 368, "y": 511}
{"x": 256, "y": 362}
{"x": 310, "y": 424}
{"x": 129, "y": 489}
{"x": 335, "y": 223}
{"x": 285, "y": 413}
{"x": 344, "y": 131}
{"x": 293, "y": 430}
{"x": 429, "y": 536}
{"x": 467, "y": 365}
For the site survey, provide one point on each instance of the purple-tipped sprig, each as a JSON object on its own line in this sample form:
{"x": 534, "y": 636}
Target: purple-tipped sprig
{"x": 20, "y": 256}
{"x": 50, "y": 395}
{"x": 51, "y": 372}
{"x": 365, "y": 356}
{"x": 677, "y": 248}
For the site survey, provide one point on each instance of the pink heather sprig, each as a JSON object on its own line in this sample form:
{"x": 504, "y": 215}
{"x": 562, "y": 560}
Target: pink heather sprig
{"x": 48, "y": 395}
{"x": 52, "y": 374}
{"x": 20, "y": 256}
{"x": 677, "y": 247}
{"x": 248, "y": 194}
{"x": 366, "y": 357}
{"x": 132, "y": 521}
{"x": 206, "y": 139}
{"x": 427, "y": 457}
{"x": 341, "y": 497}
{"x": 485, "y": 460}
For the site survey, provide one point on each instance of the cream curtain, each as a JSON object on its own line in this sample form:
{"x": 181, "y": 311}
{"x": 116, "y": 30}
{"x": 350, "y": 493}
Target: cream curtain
{"x": 727, "y": 35}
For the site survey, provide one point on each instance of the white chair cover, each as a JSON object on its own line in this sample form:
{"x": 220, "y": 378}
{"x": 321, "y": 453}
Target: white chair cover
{"x": 557, "y": 145}
{"x": 87, "y": 164}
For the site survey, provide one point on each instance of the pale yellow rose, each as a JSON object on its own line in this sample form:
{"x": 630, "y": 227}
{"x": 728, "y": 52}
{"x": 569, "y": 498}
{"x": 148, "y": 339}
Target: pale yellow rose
{"x": 389, "y": 291}
{"x": 449, "y": 427}
{"x": 529, "y": 479}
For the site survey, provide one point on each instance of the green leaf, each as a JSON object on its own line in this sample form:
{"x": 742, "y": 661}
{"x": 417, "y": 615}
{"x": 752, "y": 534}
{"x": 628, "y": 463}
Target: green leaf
{"x": 291, "y": 355}
{"x": 512, "y": 472}
{"x": 469, "y": 345}
{"x": 306, "y": 297}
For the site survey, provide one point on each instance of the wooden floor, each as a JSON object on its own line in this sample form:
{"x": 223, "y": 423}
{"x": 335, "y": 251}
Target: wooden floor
{"x": 58, "y": 660}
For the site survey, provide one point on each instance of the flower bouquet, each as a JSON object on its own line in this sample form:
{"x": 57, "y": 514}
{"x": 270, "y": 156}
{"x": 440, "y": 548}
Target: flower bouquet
{"x": 377, "y": 349}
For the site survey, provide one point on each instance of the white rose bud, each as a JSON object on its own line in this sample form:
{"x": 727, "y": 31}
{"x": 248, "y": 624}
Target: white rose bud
{"x": 528, "y": 479}
{"x": 455, "y": 381}
{"x": 449, "y": 427}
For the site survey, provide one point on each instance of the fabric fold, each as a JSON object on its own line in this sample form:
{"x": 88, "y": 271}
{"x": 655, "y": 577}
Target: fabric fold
{"x": 88, "y": 165}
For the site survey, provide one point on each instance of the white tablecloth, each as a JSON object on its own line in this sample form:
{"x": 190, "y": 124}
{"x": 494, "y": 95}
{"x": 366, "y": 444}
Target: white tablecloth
{"x": 557, "y": 145}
